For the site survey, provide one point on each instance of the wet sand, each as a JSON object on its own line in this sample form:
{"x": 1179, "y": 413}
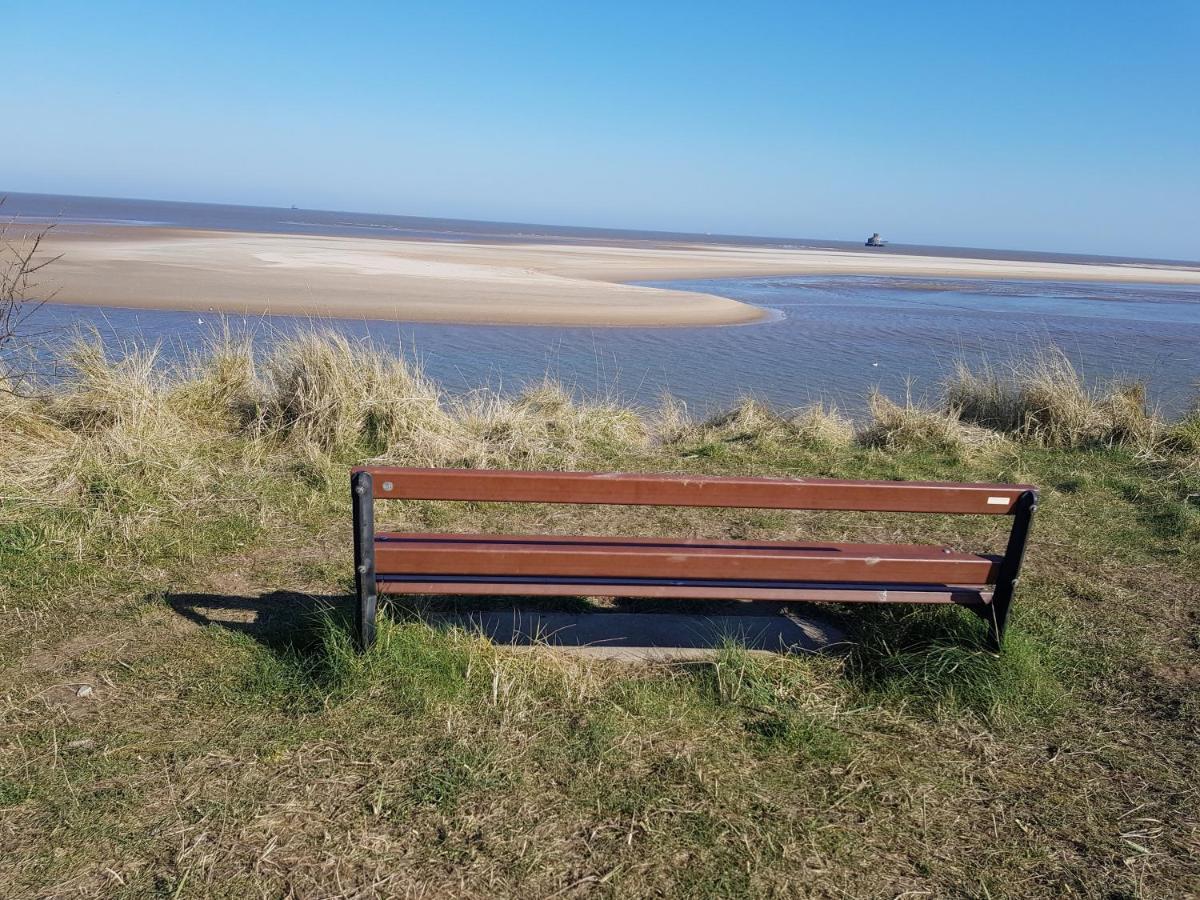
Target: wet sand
{"x": 434, "y": 281}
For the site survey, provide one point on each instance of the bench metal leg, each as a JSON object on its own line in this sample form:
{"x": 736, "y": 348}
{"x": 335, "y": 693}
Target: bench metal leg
{"x": 996, "y": 613}
{"x": 362, "y": 497}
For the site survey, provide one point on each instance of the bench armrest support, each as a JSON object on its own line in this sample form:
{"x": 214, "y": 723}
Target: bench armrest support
{"x": 996, "y": 613}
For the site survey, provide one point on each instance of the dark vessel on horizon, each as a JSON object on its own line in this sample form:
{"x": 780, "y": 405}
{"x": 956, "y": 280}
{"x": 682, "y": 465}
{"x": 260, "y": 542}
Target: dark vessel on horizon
{"x": 876, "y": 241}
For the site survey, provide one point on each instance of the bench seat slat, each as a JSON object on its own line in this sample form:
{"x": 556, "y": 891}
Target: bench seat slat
{"x": 490, "y": 485}
{"x": 541, "y": 556}
{"x": 684, "y": 589}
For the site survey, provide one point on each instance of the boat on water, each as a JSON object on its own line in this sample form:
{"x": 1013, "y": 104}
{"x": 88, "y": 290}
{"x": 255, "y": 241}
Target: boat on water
{"x": 876, "y": 241}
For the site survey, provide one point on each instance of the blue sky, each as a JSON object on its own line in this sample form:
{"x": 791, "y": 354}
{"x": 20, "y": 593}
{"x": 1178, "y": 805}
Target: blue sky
{"x": 1051, "y": 125}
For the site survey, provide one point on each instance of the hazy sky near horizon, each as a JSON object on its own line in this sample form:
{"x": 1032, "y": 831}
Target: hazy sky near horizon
{"x": 1049, "y": 125}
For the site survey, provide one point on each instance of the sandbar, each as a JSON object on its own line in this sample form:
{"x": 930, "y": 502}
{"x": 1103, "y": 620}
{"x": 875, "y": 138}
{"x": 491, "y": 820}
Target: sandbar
{"x": 503, "y": 283}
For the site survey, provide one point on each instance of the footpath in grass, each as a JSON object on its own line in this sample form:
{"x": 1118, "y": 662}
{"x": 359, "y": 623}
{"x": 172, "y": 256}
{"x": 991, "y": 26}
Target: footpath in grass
{"x": 183, "y": 714}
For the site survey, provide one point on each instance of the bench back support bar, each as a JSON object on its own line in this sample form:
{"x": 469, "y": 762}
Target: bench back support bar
{"x": 628, "y": 489}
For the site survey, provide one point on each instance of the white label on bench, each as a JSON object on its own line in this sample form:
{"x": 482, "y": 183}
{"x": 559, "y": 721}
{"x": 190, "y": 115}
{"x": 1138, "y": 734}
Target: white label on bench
{"x": 998, "y": 501}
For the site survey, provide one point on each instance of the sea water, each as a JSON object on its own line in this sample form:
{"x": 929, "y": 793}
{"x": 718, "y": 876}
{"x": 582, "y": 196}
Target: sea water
{"x": 826, "y": 338}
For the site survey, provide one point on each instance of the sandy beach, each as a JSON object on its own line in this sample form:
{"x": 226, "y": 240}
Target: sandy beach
{"x": 434, "y": 281}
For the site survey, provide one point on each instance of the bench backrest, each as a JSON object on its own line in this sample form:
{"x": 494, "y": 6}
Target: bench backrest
{"x": 396, "y": 483}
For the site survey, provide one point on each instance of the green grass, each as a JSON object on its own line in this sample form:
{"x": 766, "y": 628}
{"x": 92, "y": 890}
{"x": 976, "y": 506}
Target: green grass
{"x": 179, "y": 546}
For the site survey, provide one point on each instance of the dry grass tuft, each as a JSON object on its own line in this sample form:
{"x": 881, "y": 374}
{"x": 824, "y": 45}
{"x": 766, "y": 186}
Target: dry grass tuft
{"x": 753, "y": 425}
{"x": 33, "y": 446}
{"x": 1129, "y": 421}
{"x": 112, "y": 422}
{"x": 912, "y": 427}
{"x": 749, "y": 420}
{"x": 101, "y": 392}
{"x": 670, "y": 423}
{"x": 749, "y": 425}
{"x": 116, "y": 439}
{"x": 222, "y": 379}
{"x": 574, "y": 429}
{"x": 322, "y": 388}
{"x": 1045, "y": 401}
{"x": 543, "y": 427}
{"x": 822, "y": 427}
{"x": 984, "y": 398}
{"x": 1184, "y": 436}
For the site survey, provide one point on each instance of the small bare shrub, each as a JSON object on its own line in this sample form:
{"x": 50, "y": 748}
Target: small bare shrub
{"x": 21, "y": 263}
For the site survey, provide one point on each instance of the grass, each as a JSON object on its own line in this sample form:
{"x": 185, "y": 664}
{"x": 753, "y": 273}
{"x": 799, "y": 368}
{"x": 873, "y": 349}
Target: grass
{"x": 183, "y": 714}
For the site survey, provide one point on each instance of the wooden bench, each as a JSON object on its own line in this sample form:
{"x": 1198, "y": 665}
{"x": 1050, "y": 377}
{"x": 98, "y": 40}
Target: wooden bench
{"x": 417, "y": 563}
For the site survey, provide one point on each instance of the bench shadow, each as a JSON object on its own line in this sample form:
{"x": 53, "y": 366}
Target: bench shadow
{"x": 633, "y": 628}
{"x": 287, "y": 621}
{"x": 279, "y": 620}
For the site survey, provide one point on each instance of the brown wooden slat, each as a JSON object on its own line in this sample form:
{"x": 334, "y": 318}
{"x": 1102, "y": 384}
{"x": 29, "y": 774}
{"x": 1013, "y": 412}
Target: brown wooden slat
{"x": 965, "y": 596}
{"x": 593, "y": 557}
{"x": 393, "y": 483}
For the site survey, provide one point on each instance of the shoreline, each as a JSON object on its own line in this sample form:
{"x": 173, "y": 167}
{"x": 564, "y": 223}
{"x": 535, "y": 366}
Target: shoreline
{"x": 421, "y": 280}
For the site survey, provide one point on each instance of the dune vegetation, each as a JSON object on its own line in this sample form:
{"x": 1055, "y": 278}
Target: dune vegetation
{"x": 183, "y": 714}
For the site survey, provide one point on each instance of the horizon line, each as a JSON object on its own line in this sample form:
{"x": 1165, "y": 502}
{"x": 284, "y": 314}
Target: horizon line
{"x": 628, "y": 230}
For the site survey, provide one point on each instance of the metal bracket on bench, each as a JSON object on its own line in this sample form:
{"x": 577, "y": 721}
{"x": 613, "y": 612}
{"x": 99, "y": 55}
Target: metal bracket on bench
{"x": 362, "y": 498}
{"x": 996, "y": 612}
